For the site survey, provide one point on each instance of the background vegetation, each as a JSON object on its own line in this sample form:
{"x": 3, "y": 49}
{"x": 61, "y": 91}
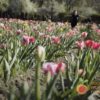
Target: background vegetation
{"x": 48, "y": 9}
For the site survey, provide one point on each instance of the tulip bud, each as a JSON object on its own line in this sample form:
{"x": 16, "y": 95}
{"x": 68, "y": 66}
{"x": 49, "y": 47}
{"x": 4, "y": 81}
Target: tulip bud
{"x": 81, "y": 72}
{"x": 41, "y": 53}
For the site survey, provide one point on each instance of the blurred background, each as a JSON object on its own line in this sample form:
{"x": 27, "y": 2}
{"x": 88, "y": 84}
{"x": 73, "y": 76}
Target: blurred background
{"x": 56, "y": 10}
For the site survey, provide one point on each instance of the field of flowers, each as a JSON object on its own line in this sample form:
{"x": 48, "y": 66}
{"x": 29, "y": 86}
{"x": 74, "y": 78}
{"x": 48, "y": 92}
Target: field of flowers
{"x": 42, "y": 60}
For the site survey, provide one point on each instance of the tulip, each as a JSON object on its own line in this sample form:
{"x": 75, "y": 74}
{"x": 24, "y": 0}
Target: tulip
{"x": 41, "y": 53}
{"x": 88, "y": 43}
{"x": 31, "y": 39}
{"x": 53, "y": 68}
{"x": 81, "y": 89}
{"x": 18, "y": 32}
{"x": 81, "y": 72}
{"x": 28, "y": 39}
{"x": 92, "y": 44}
{"x": 71, "y": 33}
{"x": 61, "y": 66}
{"x": 84, "y": 34}
{"x": 25, "y": 40}
{"x": 55, "y": 39}
{"x": 95, "y": 45}
{"x": 41, "y": 57}
{"x": 80, "y": 44}
{"x": 98, "y": 31}
{"x": 49, "y": 67}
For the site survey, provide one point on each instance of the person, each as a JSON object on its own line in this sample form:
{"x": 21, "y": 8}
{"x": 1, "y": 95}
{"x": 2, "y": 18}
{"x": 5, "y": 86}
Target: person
{"x": 74, "y": 19}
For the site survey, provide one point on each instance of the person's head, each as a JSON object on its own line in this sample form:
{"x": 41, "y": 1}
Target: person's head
{"x": 75, "y": 12}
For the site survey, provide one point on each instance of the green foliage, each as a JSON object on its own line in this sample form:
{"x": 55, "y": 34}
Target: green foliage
{"x": 48, "y": 8}
{"x": 4, "y": 4}
{"x": 18, "y": 6}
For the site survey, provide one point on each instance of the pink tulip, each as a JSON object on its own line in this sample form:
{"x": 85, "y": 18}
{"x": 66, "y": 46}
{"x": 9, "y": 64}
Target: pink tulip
{"x": 92, "y": 44}
{"x": 53, "y": 68}
{"x": 88, "y": 43}
{"x": 98, "y": 31}
{"x": 50, "y": 67}
{"x": 61, "y": 66}
{"x": 27, "y": 39}
{"x": 95, "y": 45}
{"x": 80, "y": 44}
{"x": 71, "y": 33}
{"x": 84, "y": 34}
{"x": 55, "y": 39}
{"x": 31, "y": 39}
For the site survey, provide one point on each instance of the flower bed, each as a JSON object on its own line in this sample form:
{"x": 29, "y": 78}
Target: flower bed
{"x": 61, "y": 63}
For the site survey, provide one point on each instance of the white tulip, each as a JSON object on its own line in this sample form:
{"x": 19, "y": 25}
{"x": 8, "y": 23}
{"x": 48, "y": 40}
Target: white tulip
{"x": 41, "y": 53}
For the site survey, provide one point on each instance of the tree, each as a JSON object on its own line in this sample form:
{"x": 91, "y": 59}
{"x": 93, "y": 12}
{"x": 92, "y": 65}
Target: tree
{"x": 18, "y": 7}
{"x": 4, "y": 4}
{"x": 15, "y": 7}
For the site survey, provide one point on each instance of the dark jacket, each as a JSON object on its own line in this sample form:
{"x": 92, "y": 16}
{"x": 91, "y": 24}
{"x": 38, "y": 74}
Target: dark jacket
{"x": 74, "y": 20}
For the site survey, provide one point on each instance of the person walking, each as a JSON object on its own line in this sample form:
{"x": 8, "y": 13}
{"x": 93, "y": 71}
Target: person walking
{"x": 74, "y": 19}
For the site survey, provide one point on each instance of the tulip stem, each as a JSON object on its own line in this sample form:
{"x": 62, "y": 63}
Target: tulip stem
{"x": 38, "y": 81}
